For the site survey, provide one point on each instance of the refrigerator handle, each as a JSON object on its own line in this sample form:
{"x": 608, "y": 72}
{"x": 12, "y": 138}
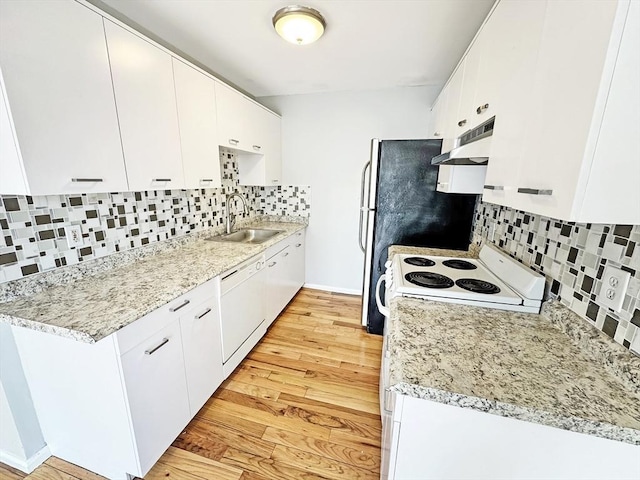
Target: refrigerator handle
{"x": 363, "y": 209}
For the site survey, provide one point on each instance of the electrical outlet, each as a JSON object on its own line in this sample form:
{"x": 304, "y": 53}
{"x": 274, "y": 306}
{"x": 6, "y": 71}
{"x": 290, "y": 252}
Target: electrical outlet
{"x": 614, "y": 287}
{"x": 73, "y": 234}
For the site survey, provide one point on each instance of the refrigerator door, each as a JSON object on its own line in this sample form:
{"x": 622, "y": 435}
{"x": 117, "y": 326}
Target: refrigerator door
{"x": 409, "y": 211}
{"x": 367, "y": 215}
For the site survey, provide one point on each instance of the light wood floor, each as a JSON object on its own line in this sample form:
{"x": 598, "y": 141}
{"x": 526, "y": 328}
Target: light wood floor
{"x": 303, "y": 405}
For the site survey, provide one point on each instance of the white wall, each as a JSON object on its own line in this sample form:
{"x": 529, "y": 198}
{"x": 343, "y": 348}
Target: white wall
{"x": 325, "y": 143}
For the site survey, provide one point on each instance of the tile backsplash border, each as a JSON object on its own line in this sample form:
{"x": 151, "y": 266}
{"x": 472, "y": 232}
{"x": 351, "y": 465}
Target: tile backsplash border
{"x": 32, "y": 229}
{"x": 572, "y": 257}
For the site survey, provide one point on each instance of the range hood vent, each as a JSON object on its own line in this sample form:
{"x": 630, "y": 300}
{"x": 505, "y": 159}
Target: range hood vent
{"x": 472, "y": 147}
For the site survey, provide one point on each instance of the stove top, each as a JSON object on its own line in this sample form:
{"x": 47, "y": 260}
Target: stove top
{"x": 493, "y": 280}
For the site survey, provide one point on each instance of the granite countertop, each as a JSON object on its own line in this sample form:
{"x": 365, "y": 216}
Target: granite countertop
{"x": 93, "y": 307}
{"x": 536, "y": 368}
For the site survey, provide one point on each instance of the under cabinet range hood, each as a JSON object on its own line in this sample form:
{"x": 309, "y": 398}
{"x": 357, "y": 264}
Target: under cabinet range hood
{"x": 464, "y": 168}
{"x": 472, "y": 147}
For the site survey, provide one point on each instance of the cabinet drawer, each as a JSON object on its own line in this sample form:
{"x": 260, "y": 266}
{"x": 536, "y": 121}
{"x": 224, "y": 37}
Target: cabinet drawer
{"x": 156, "y": 386}
{"x": 136, "y": 332}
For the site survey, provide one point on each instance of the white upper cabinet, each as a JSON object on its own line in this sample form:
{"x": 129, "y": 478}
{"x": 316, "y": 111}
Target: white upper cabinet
{"x": 565, "y": 170}
{"x": 452, "y": 120}
{"x": 233, "y": 124}
{"x": 437, "y": 120}
{"x": 511, "y": 42}
{"x": 255, "y": 132}
{"x": 196, "y": 100}
{"x": 146, "y": 100}
{"x": 59, "y": 95}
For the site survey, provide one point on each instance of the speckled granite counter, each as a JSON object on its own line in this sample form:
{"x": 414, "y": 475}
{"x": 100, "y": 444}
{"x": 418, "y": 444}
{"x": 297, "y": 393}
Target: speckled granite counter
{"x": 92, "y": 307}
{"x": 536, "y": 368}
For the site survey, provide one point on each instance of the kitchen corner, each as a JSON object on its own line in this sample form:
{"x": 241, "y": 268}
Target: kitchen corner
{"x": 537, "y": 368}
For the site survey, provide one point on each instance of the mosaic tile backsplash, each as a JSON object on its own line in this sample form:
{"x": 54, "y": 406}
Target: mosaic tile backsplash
{"x": 32, "y": 238}
{"x": 572, "y": 256}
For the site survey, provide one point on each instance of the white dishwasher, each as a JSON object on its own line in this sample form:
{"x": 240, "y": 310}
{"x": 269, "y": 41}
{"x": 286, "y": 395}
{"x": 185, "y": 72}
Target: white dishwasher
{"x": 241, "y": 310}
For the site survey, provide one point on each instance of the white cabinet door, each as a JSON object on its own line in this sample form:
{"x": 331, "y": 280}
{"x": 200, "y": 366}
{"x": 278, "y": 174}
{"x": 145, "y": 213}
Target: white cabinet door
{"x": 202, "y": 345}
{"x": 296, "y": 271}
{"x": 436, "y": 128}
{"x": 146, "y": 101}
{"x": 505, "y": 81}
{"x": 277, "y": 284}
{"x": 454, "y": 90}
{"x": 466, "y": 110}
{"x": 232, "y": 110}
{"x": 196, "y": 101}
{"x": 564, "y": 95}
{"x": 156, "y": 386}
{"x": 55, "y": 67}
{"x": 13, "y": 178}
{"x": 264, "y": 165}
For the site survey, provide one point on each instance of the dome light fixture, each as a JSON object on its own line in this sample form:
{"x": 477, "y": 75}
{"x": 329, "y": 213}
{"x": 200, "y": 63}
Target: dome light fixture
{"x": 298, "y": 24}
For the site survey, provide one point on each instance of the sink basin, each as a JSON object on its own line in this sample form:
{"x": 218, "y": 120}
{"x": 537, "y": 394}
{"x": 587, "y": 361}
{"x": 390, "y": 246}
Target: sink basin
{"x": 247, "y": 235}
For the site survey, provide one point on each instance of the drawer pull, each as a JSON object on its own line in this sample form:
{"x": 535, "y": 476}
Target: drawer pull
{"x": 275, "y": 181}
{"x": 437, "y": 134}
{"x": 535, "y": 191}
{"x": 271, "y": 264}
{"x": 462, "y": 123}
{"x": 206, "y": 180}
{"x": 151, "y": 351}
{"x": 493, "y": 187}
{"x": 285, "y": 254}
{"x": 198, "y": 317}
{"x": 257, "y": 147}
{"x": 183, "y": 304}
{"x": 161, "y": 180}
{"x": 233, "y": 141}
{"x": 87, "y": 180}
{"x": 482, "y": 108}
{"x": 298, "y": 244}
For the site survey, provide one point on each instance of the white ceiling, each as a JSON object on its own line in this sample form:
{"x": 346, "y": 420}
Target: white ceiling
{"x": 368, "y": 45}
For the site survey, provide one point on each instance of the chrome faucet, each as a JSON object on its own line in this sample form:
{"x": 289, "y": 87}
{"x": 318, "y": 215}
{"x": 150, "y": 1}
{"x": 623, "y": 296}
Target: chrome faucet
{"x": 231, "y": 218}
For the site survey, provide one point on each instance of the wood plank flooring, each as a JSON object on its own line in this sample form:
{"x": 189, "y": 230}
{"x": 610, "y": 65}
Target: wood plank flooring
{"x": 303, "y": 405}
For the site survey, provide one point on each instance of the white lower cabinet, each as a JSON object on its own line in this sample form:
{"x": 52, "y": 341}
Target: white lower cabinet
{"x": 285, "y": 274}
{"x": 156, "y": 386}
{"x": 431, "y": 440}
{"x": 115, "y": 406}
{"x": 202, "y": 349}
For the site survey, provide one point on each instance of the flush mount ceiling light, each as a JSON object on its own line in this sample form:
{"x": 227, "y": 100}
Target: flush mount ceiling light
{"x": 299, "y": 25}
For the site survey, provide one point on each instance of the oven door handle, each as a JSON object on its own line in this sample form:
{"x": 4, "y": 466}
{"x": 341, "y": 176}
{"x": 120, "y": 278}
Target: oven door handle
{"x": 383, "y": 309}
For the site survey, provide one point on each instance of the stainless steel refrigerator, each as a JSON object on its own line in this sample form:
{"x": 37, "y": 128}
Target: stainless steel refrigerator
{"x": 400, "y": 206}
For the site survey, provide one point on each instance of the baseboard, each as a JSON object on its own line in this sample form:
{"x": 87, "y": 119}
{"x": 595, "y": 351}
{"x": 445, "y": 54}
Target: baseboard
{"x": 327, "y": 288}
{"x": 26, "y": 465}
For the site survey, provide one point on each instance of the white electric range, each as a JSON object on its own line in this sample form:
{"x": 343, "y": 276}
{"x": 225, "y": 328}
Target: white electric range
{"x": 494, "y": 280}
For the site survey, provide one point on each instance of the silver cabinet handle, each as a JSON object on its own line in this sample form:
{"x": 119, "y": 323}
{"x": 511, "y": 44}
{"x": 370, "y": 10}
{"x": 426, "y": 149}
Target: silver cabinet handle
{"x": 87, "y": 180}
{"x": 535, "y": 191}
{"x": 257, "y": 147}
{"x": 183, "y": 304}
{"x": 437, "y": 134}
{"x": 298, "y": 245}
{"x": 233, "y": 141}
{"x": 482, "y": 108}
{"x": 271, "y": 264}
{"x": 462, "y": 123}
{"x": 275, "y": 181}
{"x": 493, "y": 187}
{"x": 206, "y": 179}
{"x": 151, "y": 351}
{"x": 160, "y": 179}
{"x": 198, "y": 317}
{"x": 286, "y": 254}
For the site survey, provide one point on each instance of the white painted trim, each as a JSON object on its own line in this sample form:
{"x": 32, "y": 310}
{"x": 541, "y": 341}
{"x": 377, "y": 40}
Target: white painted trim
{"x": 27, "y": 465}
{"x": 327, "y": 288}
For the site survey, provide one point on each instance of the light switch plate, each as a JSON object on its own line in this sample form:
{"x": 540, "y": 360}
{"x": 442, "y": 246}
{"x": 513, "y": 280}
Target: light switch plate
{"x": 73, "y": 234}
{"x": 614, "y": 287}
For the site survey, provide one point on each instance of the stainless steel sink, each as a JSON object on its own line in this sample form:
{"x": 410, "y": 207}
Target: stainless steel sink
{"x": 246, "y": 235}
